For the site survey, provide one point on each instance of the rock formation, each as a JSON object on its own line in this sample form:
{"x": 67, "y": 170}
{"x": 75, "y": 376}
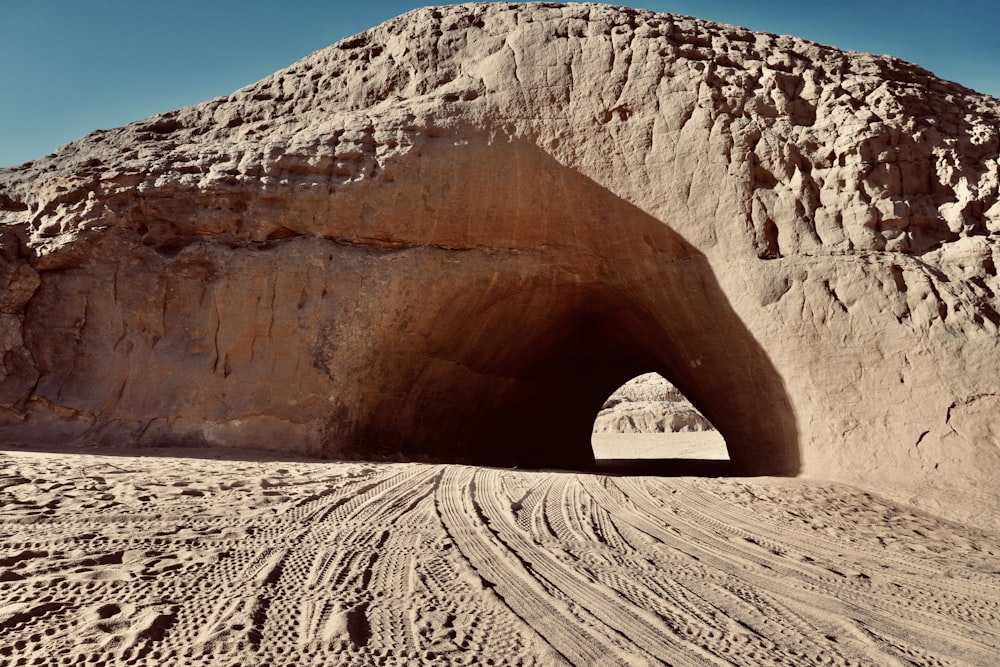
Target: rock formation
{"x": 649, "y": 404}
{"x": 454, "y": 235}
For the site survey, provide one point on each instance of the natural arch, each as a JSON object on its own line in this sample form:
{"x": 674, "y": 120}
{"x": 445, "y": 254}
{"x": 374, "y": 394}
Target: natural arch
{"x": 564, "y": 291}
{"x": 453, "y": 236}
{"x": 482, "y": 313}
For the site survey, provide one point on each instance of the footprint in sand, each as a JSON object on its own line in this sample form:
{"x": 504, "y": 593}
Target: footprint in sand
{"x": 129, "y": 630}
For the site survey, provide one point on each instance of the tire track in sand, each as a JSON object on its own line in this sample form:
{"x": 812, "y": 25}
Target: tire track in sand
{"x": 822, "y": 598}
{"x": 138, "y": 560}
{"x": 502, "y": 570}
{"x": 536, "y": 583}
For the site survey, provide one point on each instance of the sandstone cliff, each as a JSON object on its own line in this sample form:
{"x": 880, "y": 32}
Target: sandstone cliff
{"x": 454, "y": 235}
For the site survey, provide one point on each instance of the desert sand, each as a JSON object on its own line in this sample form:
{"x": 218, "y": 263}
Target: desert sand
{"x": 202, "y": 557}
{"x": 707, "y": 445}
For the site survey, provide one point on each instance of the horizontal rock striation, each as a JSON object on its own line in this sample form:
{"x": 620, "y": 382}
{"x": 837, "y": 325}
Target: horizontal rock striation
{"x": 649, "y": 404}
{"x": 452, "y": 236}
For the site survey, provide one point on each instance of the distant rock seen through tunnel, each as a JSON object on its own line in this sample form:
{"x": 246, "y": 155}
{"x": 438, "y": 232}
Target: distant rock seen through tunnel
{"x": 649, "y": 403}
{"x": 648, "y": 418}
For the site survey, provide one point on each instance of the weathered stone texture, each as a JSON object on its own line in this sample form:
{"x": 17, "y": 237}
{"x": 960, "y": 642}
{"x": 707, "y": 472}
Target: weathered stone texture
{"x": 649, "y": 404}
{"x": 455, "y": 234}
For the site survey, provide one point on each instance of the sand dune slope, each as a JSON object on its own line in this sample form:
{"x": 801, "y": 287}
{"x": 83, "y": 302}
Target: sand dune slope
{"x": 129, "y": 560}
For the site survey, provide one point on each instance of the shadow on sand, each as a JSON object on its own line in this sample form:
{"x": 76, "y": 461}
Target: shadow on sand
{"x": 665, "y": 467}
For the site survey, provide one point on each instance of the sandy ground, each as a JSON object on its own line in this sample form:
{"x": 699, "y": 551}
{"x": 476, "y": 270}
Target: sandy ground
{"x": 708, "y": 445}
{"x": 154, "y": 557}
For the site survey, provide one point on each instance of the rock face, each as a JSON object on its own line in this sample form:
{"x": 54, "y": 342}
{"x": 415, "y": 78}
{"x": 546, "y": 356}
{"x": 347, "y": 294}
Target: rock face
{"x": 649, "y": 404}
{"x": 454, "y": 235}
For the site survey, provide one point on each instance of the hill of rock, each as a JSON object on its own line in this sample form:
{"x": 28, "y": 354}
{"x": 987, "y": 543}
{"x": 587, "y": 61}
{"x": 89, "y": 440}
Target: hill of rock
{"x": 452, "y": 236}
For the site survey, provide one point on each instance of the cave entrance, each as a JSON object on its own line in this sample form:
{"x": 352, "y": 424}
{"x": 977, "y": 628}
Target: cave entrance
{"x": 648, "y": 426}
{"x": 490, "y": 329}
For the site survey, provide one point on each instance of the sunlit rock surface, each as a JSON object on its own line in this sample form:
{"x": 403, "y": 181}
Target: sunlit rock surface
{"x": 649, "y": 404}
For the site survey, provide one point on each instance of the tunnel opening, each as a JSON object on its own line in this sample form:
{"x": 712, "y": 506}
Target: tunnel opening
{"x": 648, "y": 426}
{"x": 498, "y": 325}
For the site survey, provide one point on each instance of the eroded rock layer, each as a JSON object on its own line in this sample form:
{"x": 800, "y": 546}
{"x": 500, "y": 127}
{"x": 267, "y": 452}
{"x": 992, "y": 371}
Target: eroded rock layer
{"x": 454, "y": 235}
{"x": 649, "y": 404}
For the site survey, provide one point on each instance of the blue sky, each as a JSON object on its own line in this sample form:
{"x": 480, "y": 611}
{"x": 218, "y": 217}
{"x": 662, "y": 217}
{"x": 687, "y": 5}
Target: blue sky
{"x": 71, "y": 66}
